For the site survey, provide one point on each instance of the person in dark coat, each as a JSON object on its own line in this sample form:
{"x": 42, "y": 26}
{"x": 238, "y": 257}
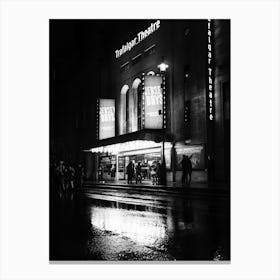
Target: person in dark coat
{"x": 130, "y": 172}
{"x": 79, "y": 176}
{"x": 158, "y": 173}
{"x": 153, "y": 172}
{"x": 138, "y": 173}
{"x": 71, "y": 171}
{"x": 188, "y": 169}
{"x": 184, "y": 169}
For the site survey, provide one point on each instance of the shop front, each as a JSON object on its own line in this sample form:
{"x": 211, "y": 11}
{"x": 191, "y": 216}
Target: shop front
{"x": 113, "y": 159}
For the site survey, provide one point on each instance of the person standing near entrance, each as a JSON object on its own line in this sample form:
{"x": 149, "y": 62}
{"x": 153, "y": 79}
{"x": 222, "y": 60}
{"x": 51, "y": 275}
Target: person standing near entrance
{"x": 159, "y": 174}
{"x": 184, "y": 169}
{"x": 153, "y": 173}
{"x": 188, "y": 169}
{"x": 138, "y": 173}
{"x": 130, "y": 172}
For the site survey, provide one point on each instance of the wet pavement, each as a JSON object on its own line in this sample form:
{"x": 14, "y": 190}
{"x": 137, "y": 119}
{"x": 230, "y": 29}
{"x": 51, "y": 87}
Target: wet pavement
{"x": 130, "y": 225}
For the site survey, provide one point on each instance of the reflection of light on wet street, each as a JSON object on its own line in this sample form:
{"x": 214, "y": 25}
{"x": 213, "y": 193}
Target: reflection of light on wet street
{"x": 145, "y": 228}
{"x": 103, "y": 225}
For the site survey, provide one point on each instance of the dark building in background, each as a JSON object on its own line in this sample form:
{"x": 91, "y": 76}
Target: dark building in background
{"x": 123, "y": 108}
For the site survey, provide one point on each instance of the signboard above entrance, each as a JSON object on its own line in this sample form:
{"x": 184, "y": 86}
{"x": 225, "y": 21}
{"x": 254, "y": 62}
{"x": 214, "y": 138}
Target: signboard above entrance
{"x": 137, "y": 39}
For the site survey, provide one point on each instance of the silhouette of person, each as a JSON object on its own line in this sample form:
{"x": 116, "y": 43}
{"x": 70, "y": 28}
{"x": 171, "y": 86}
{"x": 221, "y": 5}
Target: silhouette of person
{"x": 130, "y": 172}
{"x": 138, "y": 173}
{"x": 184, "y": 169}
{"x": 188, "y": 169}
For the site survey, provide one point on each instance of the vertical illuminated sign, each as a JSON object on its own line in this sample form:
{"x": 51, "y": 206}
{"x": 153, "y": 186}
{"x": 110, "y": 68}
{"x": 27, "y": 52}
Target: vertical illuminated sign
{"x": 210, "y": 72}
{"x": 153, "y": 102}
{"x": 106, "y": 118}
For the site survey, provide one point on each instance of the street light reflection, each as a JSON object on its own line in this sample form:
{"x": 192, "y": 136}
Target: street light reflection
{"x": 145, "y": 228}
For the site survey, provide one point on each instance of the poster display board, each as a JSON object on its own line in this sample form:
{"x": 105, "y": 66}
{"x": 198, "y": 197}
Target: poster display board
{"x": 196, "y": 152}
{"x": 106, "y": 118}
{"x": 153, "y": 100}
{"x": 107, "y": 166}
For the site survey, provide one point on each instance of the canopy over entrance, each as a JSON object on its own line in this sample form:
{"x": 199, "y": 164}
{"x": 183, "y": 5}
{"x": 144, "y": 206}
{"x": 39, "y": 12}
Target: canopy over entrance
{"x": 130, "y": 146}
{"x": 137, "y": 140}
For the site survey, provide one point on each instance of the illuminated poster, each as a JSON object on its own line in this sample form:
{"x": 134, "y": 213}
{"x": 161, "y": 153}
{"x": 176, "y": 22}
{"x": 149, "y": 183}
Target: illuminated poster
{"x": 153, "y": 99}
{"x": 196, "y": 152}
{"x": 106, "y": 118}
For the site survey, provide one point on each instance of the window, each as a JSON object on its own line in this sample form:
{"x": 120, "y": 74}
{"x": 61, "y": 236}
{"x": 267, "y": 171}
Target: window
{"x": 123, "y": 117}
{"x": 136, "y": 59}
{"x": 125, "y": 67}
{"x": 136, "y": 105}
{"x": 151, "y": 50}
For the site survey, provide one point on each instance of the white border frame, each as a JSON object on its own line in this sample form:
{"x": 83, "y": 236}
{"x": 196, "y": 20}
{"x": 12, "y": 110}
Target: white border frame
{"x": 24, "y": 138}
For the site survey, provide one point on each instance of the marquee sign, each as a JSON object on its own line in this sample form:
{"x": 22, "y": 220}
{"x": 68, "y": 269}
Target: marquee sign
{"x": 137, "y": 39}
{"x": 106, "y": 118}
{"x": 152, "y": 102}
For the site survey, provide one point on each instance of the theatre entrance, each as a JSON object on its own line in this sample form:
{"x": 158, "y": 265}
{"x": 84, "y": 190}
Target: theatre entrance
{"x": 146, "y": 161}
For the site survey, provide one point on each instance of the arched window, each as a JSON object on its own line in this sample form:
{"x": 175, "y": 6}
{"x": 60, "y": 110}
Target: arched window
{"x": 151, "y": 73}
{"x": 136, "y": 105}
{"x": 124, "y": 115}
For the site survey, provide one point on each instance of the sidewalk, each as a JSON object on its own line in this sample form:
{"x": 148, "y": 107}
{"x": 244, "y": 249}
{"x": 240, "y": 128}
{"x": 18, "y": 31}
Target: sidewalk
{"x": 171, "y": 187}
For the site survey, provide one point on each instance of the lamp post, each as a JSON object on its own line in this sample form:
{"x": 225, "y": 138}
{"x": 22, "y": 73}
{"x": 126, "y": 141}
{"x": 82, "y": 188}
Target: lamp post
{"x": 162, "y": 67}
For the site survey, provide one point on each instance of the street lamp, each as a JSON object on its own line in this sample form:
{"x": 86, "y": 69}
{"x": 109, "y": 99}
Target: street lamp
{"x": 162, "y": 67}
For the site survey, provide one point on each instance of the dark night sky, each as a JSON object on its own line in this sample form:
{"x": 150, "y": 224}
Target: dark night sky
{"x": 79, "y": 51}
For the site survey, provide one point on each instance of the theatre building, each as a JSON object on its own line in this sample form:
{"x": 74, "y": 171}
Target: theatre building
{"x": 169, "y": 96}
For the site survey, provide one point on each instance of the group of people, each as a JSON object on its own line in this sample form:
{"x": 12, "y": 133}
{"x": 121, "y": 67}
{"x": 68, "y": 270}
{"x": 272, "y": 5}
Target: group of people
{"x": 65, "y": 176}
{"x": 135, "y": 172}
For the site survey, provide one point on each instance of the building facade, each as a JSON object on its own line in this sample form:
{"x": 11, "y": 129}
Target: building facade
{"x": 169, "y": 83}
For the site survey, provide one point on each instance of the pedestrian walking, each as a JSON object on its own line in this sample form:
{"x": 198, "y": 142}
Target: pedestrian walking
{"x": 158, "y": 173}
{"x": 67, "y": 177}
{"x": 130, "y": 172}
{"x": 184, "y": 169}
{"x": 188, "y": 170}
{"x": 71, "y": 176}
{"x": 153, "y": 173}
{"x": 138, "y": 173}
{"x": 79, "y": 174}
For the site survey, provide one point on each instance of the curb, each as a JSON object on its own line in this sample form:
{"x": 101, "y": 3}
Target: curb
{"x": 163, "y": 189}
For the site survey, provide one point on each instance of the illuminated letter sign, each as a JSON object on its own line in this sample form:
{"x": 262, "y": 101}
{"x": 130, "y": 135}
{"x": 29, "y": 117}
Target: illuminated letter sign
{"x": 137, "y": 39}
{"x": 153, "y": 100}
{"x": 106, "y": 118}
{"x": 210, "y": 72}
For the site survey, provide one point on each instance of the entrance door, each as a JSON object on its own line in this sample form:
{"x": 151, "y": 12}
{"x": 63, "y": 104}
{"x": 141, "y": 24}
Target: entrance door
{"x": 121, "y": 168}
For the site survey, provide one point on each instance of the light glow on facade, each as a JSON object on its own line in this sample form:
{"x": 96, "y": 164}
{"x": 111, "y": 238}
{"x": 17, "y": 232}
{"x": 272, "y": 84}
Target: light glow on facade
{"x": 128, "y": 146}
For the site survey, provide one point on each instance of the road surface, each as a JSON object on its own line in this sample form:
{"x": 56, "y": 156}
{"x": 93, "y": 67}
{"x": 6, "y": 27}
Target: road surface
{"x": 128, "y": 224}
